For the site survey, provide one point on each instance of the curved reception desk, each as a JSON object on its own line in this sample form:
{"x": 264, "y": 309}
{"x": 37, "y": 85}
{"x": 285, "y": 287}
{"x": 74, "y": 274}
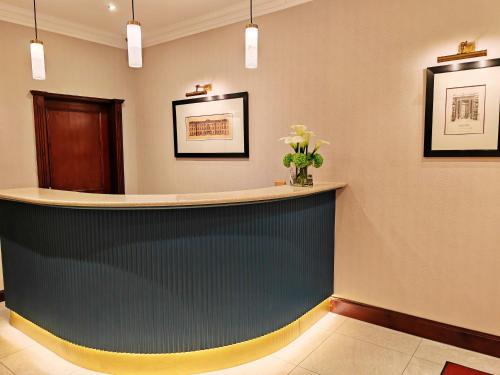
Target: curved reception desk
{"x": 167, "y": 284}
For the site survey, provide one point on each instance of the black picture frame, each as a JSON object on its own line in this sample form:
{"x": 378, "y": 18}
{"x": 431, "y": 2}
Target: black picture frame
{"x": 429, "y": 110}
{"x": 244, "y": 154}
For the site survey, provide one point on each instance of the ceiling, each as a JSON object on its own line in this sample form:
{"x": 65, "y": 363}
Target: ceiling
{"x": 162, "y": 20}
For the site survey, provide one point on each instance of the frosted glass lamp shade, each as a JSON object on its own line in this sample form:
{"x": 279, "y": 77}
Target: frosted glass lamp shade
{"x": 37, "y": 60}
{"x": 134, "y": 44}
{"x": 251, "y": 46}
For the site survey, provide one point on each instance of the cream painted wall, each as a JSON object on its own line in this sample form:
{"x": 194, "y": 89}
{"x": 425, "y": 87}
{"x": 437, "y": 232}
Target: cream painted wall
{"x": 74, "y": 67}
{"x": 414, "y": 235}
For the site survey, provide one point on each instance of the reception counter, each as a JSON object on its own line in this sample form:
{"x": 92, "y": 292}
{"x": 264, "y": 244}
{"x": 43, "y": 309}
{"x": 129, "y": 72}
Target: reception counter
{"x": 167, "y": 284}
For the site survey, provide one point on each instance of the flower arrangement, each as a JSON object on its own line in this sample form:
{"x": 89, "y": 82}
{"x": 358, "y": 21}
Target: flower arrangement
{"x": 302, "y": 158}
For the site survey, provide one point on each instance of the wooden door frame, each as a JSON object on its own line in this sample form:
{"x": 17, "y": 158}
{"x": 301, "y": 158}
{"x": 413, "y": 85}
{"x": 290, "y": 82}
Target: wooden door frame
{"x": 116, "y": 136}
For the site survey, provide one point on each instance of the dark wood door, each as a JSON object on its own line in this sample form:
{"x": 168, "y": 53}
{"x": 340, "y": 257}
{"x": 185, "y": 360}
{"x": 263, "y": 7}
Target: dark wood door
{"x": 78, "y": 146}
{"x": 78, "y": 138}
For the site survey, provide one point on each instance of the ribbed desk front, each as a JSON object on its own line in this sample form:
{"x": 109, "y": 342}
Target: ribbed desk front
{"x": 160, "y": 284}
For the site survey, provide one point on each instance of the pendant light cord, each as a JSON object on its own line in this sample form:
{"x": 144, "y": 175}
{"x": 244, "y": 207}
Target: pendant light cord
{"x": 251, "y": 11}
{"x": 36, "y": 26}
{"x": 133, "y": 11}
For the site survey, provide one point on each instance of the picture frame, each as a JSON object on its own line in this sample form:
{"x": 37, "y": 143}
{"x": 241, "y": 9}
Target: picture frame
{"x": 211, "y": 127}
{"x": 462, "y": 110}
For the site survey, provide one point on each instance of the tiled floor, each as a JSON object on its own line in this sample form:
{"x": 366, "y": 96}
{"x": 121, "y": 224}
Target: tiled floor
{"x": 335, "y": 345}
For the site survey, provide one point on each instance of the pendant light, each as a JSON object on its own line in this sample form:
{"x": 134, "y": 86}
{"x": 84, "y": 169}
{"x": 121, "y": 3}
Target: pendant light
{"x": 134, "y": 41}
{"x": 251, "y": 42}
{"x": 37, "y": 53}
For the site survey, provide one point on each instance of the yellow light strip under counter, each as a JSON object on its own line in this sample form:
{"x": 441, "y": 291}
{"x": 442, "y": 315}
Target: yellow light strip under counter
{"x": 171, "y": 363}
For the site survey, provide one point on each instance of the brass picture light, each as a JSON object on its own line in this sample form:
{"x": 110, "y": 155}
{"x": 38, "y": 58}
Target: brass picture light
{"x": 200, "y": 90}
{"x": 466, "y": 50}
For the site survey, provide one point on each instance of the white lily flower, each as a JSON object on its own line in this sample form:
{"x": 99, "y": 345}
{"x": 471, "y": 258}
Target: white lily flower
{"x": 299, "y": 129}
{"x": 295, "y": 139}
{"x": 307, "y": 136}
{"x": 292, "y": 139}
{"x": 320, "y": 143}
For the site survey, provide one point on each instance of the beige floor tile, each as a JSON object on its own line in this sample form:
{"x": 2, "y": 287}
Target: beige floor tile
{"x": 4, "y": 313}
{"x": 12, "y": 340}
{"x": 385, "y": 337}
{"x": 344, "y": 355}
{"x": 330, "y": 322}
{"x": 299, "y": 349}
{"x": 5, "y": 371}
{"x": 419, "y": 366}
{"x": 440, "y": 353}
{"x": 38, "y": 361}
{"x": 301, "y": 371}
{"x": 265, "y": 366}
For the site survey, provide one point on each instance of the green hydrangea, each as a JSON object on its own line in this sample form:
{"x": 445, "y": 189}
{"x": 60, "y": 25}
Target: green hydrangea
{"x": 300, "y": 160}
{"x": 310, "y": 159}
{"x": 318, "y": 160}
{"x": 287, "y": 160}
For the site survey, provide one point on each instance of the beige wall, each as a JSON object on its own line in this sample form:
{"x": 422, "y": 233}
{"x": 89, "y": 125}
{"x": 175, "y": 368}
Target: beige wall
{"x": 73, "y": 67}
{"x": 414, "y": 235}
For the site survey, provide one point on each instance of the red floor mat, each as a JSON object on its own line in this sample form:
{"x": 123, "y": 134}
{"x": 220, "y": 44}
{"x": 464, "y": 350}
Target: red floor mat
{"x": 454, "y": 369}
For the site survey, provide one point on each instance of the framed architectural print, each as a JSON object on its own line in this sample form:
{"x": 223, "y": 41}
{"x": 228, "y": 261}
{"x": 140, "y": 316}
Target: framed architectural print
{"x": 462, "y": 110}
{"x": 211, "y": 127}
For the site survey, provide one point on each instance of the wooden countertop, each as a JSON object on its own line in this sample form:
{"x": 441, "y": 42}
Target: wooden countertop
{"x": 49, "y": 197}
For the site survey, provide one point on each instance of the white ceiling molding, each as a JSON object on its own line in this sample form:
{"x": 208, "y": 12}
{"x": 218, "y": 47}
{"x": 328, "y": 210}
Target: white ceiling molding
{"x": 23, "y": 17}
{"x": 226, "y": 16}
{"x": 223, "y": 17}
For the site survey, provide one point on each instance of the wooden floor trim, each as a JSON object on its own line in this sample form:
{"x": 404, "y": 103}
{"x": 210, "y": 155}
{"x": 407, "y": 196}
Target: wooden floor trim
{"x": 445, "y": 333}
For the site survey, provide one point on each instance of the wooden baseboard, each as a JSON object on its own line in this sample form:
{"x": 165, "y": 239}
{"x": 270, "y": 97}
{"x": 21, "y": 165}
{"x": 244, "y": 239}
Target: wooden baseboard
{"x": 462, "y": 337}
{"x": 2, "y": 295}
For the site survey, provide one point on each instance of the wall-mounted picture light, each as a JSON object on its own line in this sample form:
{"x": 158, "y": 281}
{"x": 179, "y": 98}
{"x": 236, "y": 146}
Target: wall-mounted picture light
{"x": 200, "y": 90}
{"x": 466, "y": 50}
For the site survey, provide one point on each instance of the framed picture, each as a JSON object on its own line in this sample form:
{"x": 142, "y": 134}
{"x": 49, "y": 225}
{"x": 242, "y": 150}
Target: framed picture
{"x": 211, "y": 127}
{"x": 462, "y": 110}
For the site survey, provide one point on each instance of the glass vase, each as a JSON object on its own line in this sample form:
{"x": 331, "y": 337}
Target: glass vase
{"x": 300, "y": 177}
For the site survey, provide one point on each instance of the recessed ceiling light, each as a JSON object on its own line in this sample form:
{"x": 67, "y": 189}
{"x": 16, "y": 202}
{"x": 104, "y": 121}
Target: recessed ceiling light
{"x": 111, "y": 7}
